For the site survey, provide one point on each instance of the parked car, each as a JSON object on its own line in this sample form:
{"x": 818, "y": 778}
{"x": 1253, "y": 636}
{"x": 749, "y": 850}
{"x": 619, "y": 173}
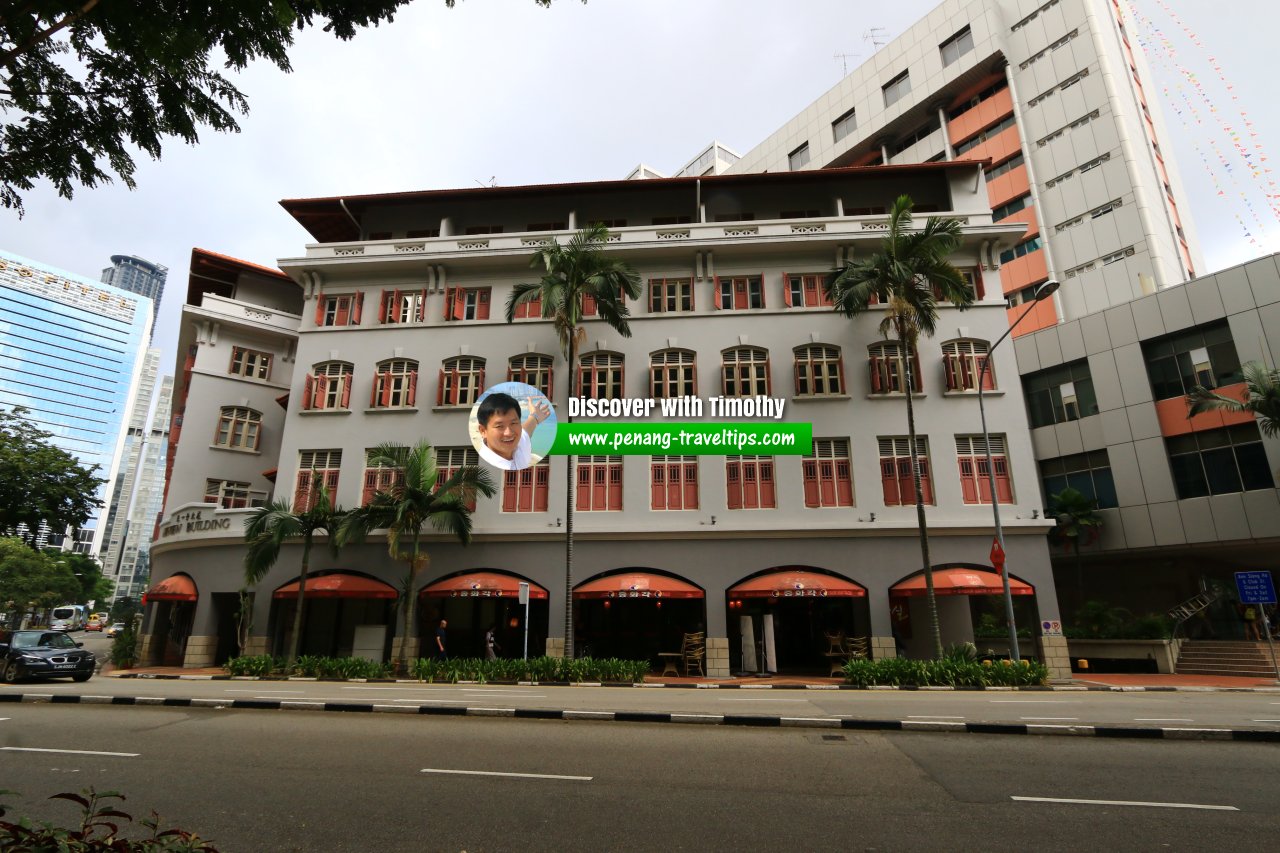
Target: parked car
{"x": 44, "y": 654}
{"x": 116, "y": 628}
{"x": 93, "y": 625}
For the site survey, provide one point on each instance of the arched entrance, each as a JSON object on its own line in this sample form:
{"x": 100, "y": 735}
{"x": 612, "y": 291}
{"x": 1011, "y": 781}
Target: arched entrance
{"x": 175, "y": 600}
{"x": 793, "y": 619}
{"x": 473, "y": 601}
{"x": 636, "y": 614}
{"x": 970, "y": 601}
{"x": 346, "y": 615}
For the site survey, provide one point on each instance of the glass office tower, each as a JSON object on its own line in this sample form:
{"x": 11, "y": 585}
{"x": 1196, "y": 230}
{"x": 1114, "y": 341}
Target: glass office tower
{"x": 139, "y": 276}
{"x": 71, "y": 352}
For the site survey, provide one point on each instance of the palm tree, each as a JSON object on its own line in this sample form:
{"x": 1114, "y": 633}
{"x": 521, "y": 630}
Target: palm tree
{"x": 267, "y": 529}
{"x": 1078, "y": 523}
{"x": 417, "y": 497}
{"x": 906, "y": 278}
{"x": 1261, "y": 397}
{"x": 571, "y": 274}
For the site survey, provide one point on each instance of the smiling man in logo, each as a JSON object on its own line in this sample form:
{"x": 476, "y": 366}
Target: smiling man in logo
{"x": 504, "y": 440}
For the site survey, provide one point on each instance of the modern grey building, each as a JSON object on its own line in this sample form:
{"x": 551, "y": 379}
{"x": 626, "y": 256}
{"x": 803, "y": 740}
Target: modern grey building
{"x": 391, "y": 323}
{"x": 139, "y": 276}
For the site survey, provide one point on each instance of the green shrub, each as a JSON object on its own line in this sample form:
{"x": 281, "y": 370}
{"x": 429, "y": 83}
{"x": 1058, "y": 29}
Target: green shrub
{"x": 98, "y": 830}
{"x": 252, "y": 665}
{"x": 951, "y": 672}
{"x": 124, "y": 647}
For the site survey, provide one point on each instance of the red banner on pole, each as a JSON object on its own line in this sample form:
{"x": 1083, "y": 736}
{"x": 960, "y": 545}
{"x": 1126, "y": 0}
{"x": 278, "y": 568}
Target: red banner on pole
{"x": 997, "y": 556}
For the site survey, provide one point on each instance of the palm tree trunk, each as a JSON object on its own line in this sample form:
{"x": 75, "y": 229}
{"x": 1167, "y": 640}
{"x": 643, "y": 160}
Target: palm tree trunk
{"x": 296, "y": 640}
{"x": 402, "y": 662}
{"x": 935, "y": 631}
{"x": 570, "y": 483}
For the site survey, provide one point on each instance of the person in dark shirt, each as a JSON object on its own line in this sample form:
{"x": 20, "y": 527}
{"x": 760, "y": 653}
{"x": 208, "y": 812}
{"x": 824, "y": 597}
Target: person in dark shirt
{"x": 442, "y": 640}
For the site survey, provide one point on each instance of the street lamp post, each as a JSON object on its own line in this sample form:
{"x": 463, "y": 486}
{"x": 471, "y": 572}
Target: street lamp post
{"x": 1043, "y": 291}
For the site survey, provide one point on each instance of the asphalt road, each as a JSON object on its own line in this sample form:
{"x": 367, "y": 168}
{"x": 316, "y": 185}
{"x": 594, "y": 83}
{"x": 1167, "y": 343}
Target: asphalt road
{"x": 266, "y": 781}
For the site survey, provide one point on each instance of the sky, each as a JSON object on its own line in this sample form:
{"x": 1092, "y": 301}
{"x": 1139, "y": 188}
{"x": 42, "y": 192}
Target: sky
{"x": 505, "y": 91}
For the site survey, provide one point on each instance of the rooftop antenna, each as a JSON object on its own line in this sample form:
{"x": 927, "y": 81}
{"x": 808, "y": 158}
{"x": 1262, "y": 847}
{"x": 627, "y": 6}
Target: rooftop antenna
{"x": 493, "y": 181}
{"x": 878, "y": 36}
{"x": 844, "y": 60}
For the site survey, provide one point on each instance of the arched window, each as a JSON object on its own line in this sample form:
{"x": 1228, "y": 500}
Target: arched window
{"x": 461, "y": 381}
{"x": 673, "y": 373}
{"x": 888, "y": 368}
{"x": 239, "y": 428}
{"x": 328, "y": 386}
{"x": 745, "y": 372}
{"x": 819, "y": 372}
{"x": 531, "y": 369}
{"x": 395, "y": 385}
{"x": 600, "y": 376}
{"x": 963, "y": 361}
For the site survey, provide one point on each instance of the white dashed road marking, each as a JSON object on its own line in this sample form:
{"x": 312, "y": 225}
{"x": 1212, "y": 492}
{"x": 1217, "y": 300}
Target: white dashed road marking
{"x": 1125, "y": 803}
{"x": 510, "y": 775}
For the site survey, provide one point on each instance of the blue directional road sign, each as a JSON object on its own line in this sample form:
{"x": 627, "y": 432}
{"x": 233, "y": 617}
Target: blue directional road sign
{"x": 1256, "y": 588}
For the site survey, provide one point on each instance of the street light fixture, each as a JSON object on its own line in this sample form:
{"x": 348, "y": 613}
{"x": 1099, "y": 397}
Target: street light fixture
{"x": 1042, "y": 292}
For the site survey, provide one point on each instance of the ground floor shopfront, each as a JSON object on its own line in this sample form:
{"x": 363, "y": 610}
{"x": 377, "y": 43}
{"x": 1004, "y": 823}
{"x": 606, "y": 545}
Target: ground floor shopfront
{"x": 764, "y": 603}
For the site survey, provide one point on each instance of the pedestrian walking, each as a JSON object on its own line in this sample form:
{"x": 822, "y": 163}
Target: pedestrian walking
{"x": 442, "y": 640}
{"x": 1251, "y": 631}
{"x": 491, "y": 647}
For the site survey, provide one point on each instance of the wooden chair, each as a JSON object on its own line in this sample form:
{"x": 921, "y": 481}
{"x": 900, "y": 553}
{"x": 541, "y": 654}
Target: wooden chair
{"x": 835, "y": 641}
{"x": 694, "y": 648}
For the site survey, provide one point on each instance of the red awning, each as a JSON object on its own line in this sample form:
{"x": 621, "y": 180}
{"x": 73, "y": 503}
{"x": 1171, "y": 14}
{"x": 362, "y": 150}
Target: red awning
{"x": 270, "y": 474}
{"x": 794, "y": 583}
{"x": 960, "y": 582}
{"x": 173, "y": 588}
{"x": 637, "y": 585}
{"x": 481, "y": 585}
{"x": 338, "y": 585}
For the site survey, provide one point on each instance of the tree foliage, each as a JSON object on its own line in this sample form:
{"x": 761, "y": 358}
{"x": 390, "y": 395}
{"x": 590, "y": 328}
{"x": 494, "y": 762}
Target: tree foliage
{"x": 94, "y": 586}
{"x": 905, "y": 279}
{"x": 85, "y": 84}
{"x": 30, "y": 580}
{"x": 572, "y": 274}
{"x": 40, "y": 482}
{"x": 1261, "y": 397}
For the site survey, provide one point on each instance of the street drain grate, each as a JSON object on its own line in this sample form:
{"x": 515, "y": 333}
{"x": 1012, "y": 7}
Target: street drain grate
{"x": 834, "y": 737}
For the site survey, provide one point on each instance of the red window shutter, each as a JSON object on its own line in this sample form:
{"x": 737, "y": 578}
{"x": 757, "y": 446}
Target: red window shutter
{"x": 510, "y": 490}
{"x": 739, "y": 294}
{"x": 750, "y": 485}
{"x": 786, "y": 290}
{"x": 718, "y": 294}
{"x": 302, "y": 492}
{"x": 459, "y": 303}
{"x": 674, "y": 480}
{"x": 989, "y": 377}
{"x": 588, "y": 305}
{"x": 308, "y": 392}
{"x": 322, "y": 395}
{"x": 385, "y": 380}
{"x": 535, "y": 306}
{"x": 448, "y": 302}
{"x": 926, "y": 484}
{"x": 917, "y": 381}
{"x": 889, "y": 482}
{"x": 812, "y": 298}
{"x": 541, "y": 477}
{"x": 827, "y": 481}
{"x": 906, "y": 482}
{"x": 690, "y": 486}
{"x": 844, "y": 483}
{"x": 795, "y": 377}
{"x": 811, "y": 495}
{"x": 383, "y": 317}
{"x": 441, "y": 388}
{"x": 984, "y": 483}
{"x": 615, "y": 487}
{"x": 412, "y": 399}
{"x": 733, "y": 484}
{"x": 331, "y": 483}
{"x": 583, "y": 493}
{"x": 370, "y": 486}
{"x": 979, "y": 284}
{"x": 968, "y": 482}
{"x": 1004, "y": 485}
{"x": 657, "y": 487}
{"x": 949, "y": 368}
{"x": 479, "y": 384}
{"x": 320, "y": 305}
{"x": 525, "y": 491}
{"x": 358, "y": 310}
{"x": 874, "y": 369}
{"x": 346, "y": 390}
{"x": 482, "y": 304}
{"x": 343, "y": 315}
{"x": 768, "y": 499}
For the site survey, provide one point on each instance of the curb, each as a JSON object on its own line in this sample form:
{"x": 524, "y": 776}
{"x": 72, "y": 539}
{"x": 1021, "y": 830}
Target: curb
{"x": 1078, "y": 688}
{"x": 749, "y": 720}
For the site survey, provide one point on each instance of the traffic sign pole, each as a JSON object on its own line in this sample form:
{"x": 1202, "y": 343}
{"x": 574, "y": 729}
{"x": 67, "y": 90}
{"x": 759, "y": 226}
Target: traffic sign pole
{"x": 1257, "y": 588}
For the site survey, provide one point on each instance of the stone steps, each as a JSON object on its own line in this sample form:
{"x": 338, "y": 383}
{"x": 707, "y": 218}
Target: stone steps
{"x": 1225, "y": 657}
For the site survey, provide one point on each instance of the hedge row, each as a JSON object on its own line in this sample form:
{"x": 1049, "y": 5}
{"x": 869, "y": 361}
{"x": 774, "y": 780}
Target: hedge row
{"x": 949, "y": 672}
{"x": 453, "y": 670}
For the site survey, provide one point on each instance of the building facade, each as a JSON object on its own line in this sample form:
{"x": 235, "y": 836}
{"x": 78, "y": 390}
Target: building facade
{"x": 1055, "y": 95}
{"x": 395, "y": 321}
{"x": 117, "y": 510}
{"x": 148, "y": 499}
{"x": 138, "y": 276}
{"x": 1185, "y": 502}
{"x": 71, "y": 352}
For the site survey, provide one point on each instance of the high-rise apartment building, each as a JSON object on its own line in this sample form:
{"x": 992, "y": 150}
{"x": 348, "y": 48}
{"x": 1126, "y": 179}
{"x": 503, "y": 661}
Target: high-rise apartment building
{"x": 139, "y": 276}
{"x": 1057, "y": 97}
{"x": 148, "y": 499}
{"x": 71, "y": 352}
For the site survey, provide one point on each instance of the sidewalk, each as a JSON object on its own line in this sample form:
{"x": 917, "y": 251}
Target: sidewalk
{"x": 1130, "y": 681}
